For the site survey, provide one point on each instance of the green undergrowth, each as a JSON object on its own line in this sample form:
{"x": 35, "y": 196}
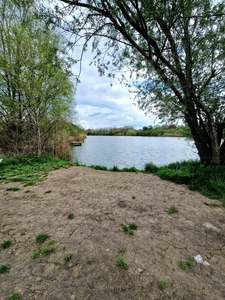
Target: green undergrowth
{"x": 29, "y": 170}
{"x": 208, "y": 180}
{"x": 115, "y": 169}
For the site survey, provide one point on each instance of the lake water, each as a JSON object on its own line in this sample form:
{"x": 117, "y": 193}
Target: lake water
{"x": 128, "y": 151}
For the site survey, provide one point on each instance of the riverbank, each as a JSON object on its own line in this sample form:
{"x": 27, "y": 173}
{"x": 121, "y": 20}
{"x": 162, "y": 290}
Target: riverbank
{"x": 82, "y": 209}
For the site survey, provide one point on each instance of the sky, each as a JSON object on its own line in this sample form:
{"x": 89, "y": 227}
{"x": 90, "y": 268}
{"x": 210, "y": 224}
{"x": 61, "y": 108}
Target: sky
{"x": 102, "y": 102}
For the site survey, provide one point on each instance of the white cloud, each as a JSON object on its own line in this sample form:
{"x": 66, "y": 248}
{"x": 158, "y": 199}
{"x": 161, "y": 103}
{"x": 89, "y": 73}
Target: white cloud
{"x": 129, "y": 119}
{"x": 103, "y": 102}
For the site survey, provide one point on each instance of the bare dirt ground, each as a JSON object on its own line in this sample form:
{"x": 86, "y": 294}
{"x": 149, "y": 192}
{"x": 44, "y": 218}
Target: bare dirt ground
{"x": 100, "y": 202}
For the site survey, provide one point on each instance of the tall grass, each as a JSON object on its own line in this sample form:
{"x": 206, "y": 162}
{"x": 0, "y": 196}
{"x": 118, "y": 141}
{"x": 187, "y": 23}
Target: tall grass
{"x": 209, "y": 181}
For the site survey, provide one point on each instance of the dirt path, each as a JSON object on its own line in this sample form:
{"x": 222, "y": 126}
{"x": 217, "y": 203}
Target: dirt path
{"x": 100, "y": 201}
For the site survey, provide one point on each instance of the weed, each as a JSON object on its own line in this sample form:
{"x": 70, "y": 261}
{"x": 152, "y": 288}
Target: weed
{"x": 182, "y": 265}
{"x": 173, "y": 210}
{"x": 186, "y": 264}
{"x": 23, "y": 233}
{"x": 67, "y": 257}
{"x": 125, "y": 228}
{"x": 123, "y": 250}
{"x": 6, "y": 244}
{"x": 13, "y": 189}
{"x": 9, "y": 216}
{"x": 35, "y": 253}
{"x": 190, "y": 261}
{"x": 133, "y": 197}
{"x": 14, "y": 296}
{"x": 129, "y": 228}
{"x": 33, "y": 195}
{"x": 133, "y": 226}
{"x": 89, "y": 261}
{"x": 48, "y": 192}
{"x": 71, "y": 216}
{"x": 4, "y": 269}
{"x": 41, "y": 237}
{"x": 45, "y": 251}
{"x": 161, "y": 285}
{"x": 121, "y": 263}
{"x": 51, "y": 242}
{"x": 161, "y": 254}
{"x": 27, "y": 191}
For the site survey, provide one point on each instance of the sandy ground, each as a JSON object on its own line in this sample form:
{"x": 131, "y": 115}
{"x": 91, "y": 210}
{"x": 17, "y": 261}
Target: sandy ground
{"x": 100, "y": 201}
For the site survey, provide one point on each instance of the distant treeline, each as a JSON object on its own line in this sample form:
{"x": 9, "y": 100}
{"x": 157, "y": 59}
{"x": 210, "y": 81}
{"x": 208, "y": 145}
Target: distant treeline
{"x": 164, "y": 130}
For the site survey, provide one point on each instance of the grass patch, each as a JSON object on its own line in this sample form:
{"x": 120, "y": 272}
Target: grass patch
{"x": 67, "y": 257}
{"x": 173, "y": 210}
{"x": 71, "y": 216}
{"x": 208, "y": 180}
{"x": 14, "y": 296}
{"x": 4, "y": 269}
{"x": 121, "y": 263}
{"x": 131, "y": 169}
{"x": 29, "y": 170}
{"x": 133, "y": 226}
{"x": 35, "y": 253}
{"x": 13, "y": 189}
{"x": 161, "y": 285}
{"x": 41, "y": 237}
{"x": 186, "y": 264}
{"x": 6, "y": 244}
{"x": 45, "y": 251}
{"x": 129, "y": 228}
{"x": 99, "y": 167}
{"x": 211, "y": 204}
{"x": 48, "y": 192}
{"x": 51, "y": 242}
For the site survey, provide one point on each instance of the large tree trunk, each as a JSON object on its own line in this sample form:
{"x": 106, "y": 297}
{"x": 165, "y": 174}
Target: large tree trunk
{"x": 206, "y": 140}
{"x": 215, "y": 147}
{"x": 200, "y": 139}
{"x": 222, "y": 153}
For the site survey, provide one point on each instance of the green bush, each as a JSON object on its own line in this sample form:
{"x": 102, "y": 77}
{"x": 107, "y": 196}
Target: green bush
{"x": 98, "y": 167}
{"x": 209, "y": 181}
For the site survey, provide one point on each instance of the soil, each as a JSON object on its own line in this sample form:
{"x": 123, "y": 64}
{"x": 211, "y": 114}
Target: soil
{"x": 100, "y": 202}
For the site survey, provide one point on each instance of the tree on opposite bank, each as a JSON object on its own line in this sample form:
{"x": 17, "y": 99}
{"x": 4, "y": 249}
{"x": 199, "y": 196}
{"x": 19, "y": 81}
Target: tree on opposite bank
{"x": 177, "y": 50}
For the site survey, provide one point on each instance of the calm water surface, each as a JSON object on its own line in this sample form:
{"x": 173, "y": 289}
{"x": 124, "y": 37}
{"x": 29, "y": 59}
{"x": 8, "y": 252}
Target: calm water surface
{"x": 128, "y": 151}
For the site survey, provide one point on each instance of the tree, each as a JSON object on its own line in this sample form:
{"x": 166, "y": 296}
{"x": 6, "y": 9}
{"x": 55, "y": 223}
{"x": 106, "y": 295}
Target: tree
{"x": 35, "y": 88}
{"x": 177, "y": 50}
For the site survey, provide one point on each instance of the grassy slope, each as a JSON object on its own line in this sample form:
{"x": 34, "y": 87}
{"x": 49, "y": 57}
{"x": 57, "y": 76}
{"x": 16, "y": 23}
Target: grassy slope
{"x": 29, "y": 170}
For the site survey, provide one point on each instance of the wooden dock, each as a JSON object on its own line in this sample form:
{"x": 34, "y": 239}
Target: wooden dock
{"x": 76, "y": 143}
